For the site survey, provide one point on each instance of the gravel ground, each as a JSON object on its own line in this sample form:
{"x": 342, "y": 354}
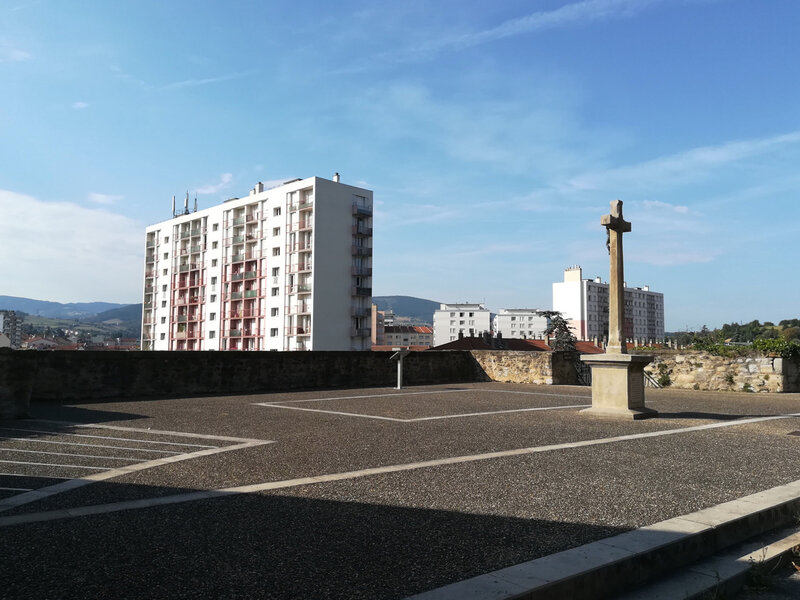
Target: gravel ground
{"x": 392, "y": 534}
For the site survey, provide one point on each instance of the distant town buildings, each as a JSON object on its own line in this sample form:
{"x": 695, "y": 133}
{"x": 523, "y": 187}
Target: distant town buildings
{"x": 522, "y": 323}
{"x": 408, "y": 335}
{"x": 11, "y": 328}
{"x": 452, "y": 321}
{"x": 285, "y": 268}
{"x": 584, "y": 303}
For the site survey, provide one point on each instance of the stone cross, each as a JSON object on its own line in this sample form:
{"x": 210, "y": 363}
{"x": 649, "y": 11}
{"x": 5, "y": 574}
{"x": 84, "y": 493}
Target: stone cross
{"x": 616, "y": 226}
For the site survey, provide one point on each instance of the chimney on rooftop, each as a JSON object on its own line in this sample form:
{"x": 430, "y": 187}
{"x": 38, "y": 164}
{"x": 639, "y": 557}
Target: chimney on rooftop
{"x": 336, "y": 177}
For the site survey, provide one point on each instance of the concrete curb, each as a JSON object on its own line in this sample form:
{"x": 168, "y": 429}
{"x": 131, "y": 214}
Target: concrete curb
{"x": 626, "y": 561}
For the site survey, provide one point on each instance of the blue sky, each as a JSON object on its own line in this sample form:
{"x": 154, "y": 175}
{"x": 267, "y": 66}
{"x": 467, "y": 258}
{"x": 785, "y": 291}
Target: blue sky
{"x": 494, "y": 136}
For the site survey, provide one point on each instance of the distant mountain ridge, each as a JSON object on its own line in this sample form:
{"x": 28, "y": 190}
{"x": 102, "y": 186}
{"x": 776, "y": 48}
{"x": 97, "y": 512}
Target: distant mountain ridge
{"x": 56, "y": 310}
{"x": 415, "y": 310}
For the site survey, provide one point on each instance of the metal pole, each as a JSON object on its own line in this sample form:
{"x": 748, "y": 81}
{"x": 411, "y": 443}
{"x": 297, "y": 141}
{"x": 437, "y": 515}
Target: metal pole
{"x": 400, "y": 373}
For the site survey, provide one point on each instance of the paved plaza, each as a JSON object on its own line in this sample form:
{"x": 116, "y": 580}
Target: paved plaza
{"x": 361, "y": 493}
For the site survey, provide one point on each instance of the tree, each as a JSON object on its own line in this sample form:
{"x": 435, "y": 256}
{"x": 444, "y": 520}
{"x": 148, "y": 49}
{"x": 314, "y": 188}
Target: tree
{"x": 562, "y": 337}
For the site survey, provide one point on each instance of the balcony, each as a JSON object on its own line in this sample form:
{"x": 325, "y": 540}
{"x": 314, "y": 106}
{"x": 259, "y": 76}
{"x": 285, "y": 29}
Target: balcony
{"x": 361, "y": 332}
{"x": 148, "y": 305}
{"x": 298, "y": 331}
{"x": 181, "y": 319}
{"x": 148, "y": 289}
{"x": 361, "y": 271}
{"x": 235, "y": 333}
{"x": 361, "y": 230}
{"x": 359, "y": 209}
{"x": 150, "y": 244}
{"x": 238, "y": 221}
{"x": 238, "y": 239}
{"x": 149, "y": 273}
{"x": 150, "y": 258}
{"x": 251, "y": 294}
{"x": 180, "y": 335}
{"x": 304, "y": 288}
{"x": 188, "y": 267}
{"x": 361, "y": 251}
{"x": 362, "y": 291}
{"x": 361, "y": 312}
{"x": 235, "y": 296}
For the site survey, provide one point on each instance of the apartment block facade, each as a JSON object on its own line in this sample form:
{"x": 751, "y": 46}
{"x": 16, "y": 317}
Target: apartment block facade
{"x": 521, "y": 323}
{"x": 408, "y": 335}
{"x": 11, "y": 327}
{"x": 285, "y": 268}
{"x": 453, "y": 320}
{"x": 584, "y": 303}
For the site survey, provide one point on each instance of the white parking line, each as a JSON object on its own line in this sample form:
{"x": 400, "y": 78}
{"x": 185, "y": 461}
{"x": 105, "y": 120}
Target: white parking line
{"x": 292, "y": 483}
{"x": 86, "y": 445}
{"x": 20, "y": 462}
{"x": 111, "y": 472}
{"x": 105, "y": 437}
{"x": 415, "y": 419}
{"x": 65, "y": 454}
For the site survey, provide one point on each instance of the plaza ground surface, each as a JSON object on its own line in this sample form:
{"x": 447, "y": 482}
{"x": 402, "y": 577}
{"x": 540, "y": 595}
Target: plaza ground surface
{"x": 363, "y": 493}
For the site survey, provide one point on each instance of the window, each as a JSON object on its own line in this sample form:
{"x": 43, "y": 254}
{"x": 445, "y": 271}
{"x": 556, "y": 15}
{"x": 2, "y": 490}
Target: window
{"x": 213, "y": 262}
{"x": 163, "y": 320}
{"x": 273, "y": 312}
{"x": 214, "y": 227}
{"x": 214, "y": 245}
{"x": 166, "y": 255}
{"x": 163, "y": 304}
{"x": 275, "y": 271}
{"x": 162, "y": 336}
{"x": 273, "y": 332}
{"x": 213, "y": 298}
{"x": 212, "y": 335}
{"x": 274, "y": 291}
{"x": 471, "y": 314}
{"x": 212, "y": 316}
{"x": 166, "y": 239}
{"x": 512, "y": 318}
{"x": 164, "y": 288}
{"x": 276, "y": 212}
{"x": 213, "y": 281}
{"x": 276, "y": 252}
{"x": 461, "y": 322}
{"x": 452, "y": 314}
{"x": 276, "y": 231}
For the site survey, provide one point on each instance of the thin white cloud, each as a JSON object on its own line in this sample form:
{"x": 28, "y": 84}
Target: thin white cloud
{"x": 11, "y": 54}
{"x": 657, "y": 204}
{"x": 576, "y": 13}
{"x": 213, "y": 188}
{"x": 65, "y": 252}
{"x": 105, "y": 198}
{"x": 205, "y": 81}
{"x": 683, "y": 167}
{"x": 80, "y": 105}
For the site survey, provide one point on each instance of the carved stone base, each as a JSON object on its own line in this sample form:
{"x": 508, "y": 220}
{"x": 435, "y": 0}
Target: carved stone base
{"x": 618, "y": 386}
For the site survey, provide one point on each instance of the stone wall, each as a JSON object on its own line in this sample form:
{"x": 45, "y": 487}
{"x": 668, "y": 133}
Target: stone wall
{"x": 548, "y": 368}
{"x": 691, "y": 369}
{"x": 86, "y": 376}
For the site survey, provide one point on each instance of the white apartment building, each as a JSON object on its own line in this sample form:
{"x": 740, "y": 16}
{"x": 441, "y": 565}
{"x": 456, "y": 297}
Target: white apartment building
{"x": 521, "y": 323}
{"x": 11, "y": 327}
{"x": 454, "y": 319}
{"x": 285, "y": 268}
{"x": 584, "y": 303}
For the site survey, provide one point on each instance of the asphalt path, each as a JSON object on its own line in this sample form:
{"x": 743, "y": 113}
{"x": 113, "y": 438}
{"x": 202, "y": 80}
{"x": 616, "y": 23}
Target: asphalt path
{"x": 362, "y": 493}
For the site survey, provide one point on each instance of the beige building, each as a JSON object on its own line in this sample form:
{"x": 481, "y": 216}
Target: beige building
{"x": 584, "y": 303}
{"x": 408, "y": 335}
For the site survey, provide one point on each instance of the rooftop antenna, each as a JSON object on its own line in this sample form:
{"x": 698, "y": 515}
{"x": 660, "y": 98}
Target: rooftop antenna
{"x": 173, "y": 205}
{"x": 195, "y": 203}
{"x": 186, "y": 204}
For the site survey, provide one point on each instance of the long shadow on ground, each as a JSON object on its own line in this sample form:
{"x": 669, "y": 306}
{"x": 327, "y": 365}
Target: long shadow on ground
{"x": 270, "y": 546}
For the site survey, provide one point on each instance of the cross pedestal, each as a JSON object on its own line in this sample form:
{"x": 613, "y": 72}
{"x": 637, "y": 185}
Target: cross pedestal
{"x": 617, "y": 377}
{"x": 618, "y": 386}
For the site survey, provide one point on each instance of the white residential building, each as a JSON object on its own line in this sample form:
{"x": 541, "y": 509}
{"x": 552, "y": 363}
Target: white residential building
{"x": 584, "y": 303}
{"x": 454, "y": 319}
{"x": 521, "y": 323}
{"x": 285, "y": 268}
{"x": 11, "y": 326}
